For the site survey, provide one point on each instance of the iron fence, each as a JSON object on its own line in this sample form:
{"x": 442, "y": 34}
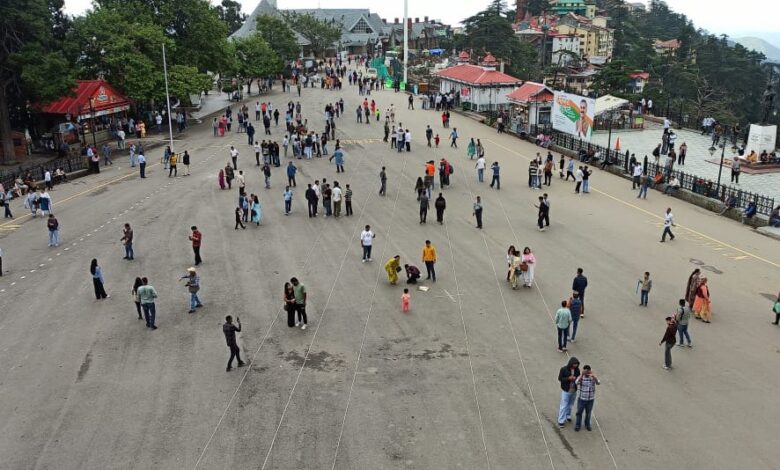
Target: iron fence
{"x": 688, "y": 181}
{"x": 68, "y": 165}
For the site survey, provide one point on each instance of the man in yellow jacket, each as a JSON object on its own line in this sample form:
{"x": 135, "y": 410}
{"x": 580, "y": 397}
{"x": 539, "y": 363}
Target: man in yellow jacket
{"x": 392, "y": 267}
{"x": 429, "y": 258}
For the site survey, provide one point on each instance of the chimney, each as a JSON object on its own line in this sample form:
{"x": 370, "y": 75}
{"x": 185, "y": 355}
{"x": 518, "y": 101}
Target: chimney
{"x": 396, "y": 21}
{"x": 417, "y": 20}
{"x": 426, "y": 19}
{"x": 384, "y": 20}
{"x": 409, "y": 22}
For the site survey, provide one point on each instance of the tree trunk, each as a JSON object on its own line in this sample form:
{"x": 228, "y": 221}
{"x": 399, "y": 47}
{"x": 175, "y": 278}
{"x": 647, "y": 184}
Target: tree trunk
{"x": 249, "y": 86}
{"x": 5, "y": 129}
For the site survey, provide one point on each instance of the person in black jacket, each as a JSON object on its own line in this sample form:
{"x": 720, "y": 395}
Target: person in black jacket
{"x": 440, "y": 205}
{"x": 312, "y": 200}
{"x": 578, "y": 285}
{"x": 230, "y": 330}
{"x": 567, "y": 377}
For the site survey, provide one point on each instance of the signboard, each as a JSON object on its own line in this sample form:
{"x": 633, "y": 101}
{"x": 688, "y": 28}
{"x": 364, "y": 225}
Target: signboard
{"x": 573, "y": 114}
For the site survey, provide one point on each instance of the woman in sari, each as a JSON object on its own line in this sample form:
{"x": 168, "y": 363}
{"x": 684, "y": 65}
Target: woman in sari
{"x": 392, "y": 267}
{"x": 690, "y": 289}
{"x": 701, "y": 306}
{"x": 529, "y": 260}
{"x": 221, "y": 177}
{"x": 510, "y": 253}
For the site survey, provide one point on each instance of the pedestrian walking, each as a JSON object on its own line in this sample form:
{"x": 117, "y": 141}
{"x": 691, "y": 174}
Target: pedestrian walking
{"x": 299, "y": 291}
{"x": 423, "y": 207}
{"x": 256, "y": 209}
{"x": 528, "y": 267}
{"x": 643, "y": 286}
{"x": 289, "y": 304}
{"x": 567, "y": 377}
{"x": 668, "y": 340}
{"x": 382, "y": 182}
{"x": 543, "y": 216}
{"x": 312, "y": 200}
{"x": 578, "y": 178}
{"x": 127, "y": 240}
{"x": 288, "y": 197}
{"x": 230, "y": 330}
{"x": 142, "y": 164}
{"x": 234, "y": 157}
{"x": 53, "y": 225}
{"x": 291, "y": 171}
{"x": 134, "y": 292}
{"x": 193, "y": 287}
{"x": 682, "y": 318}
{"x": 480, "y": 166}
{"x": 646, "y": 182}
{"x": 229, "y": 176}
{"x": 185, "y": 160}
{"x": 454, "y": 137}
{"x": 575, "y": 308}
{"x": 239, "y": 218}
{"x": 147, "y": 296}
{"x": 562, "y": 322}
{"x": 366, "y": 242}
{"x": 173, "y": 162}
{"x": 775, "y": 308}
{"x": 440, "y": 204}
{"x": 429, "y": 258}
{"x": 701, "y": 305}
{"x": 97, "y": 280}
{"x": 586, "y": 179}
{"x": 338, "y": 155}
{"x": 348, "y": 201}
{"x": 668, "y": 224}
{"x": 691, "y": 287}
{"x": 477, "y": 211}
{"x": 392, "y": 267}
{"x": 496, "y": 175}
{"x": 196, "y": 238}
{"x": 586, "y": 383}
{"x": 578, "y": 285}
{"x": 406, "y": 299}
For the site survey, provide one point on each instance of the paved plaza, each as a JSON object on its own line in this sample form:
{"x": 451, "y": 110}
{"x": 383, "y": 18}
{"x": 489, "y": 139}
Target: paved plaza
{"x": 698, "y": 161}
{"x": 467, "y": 379}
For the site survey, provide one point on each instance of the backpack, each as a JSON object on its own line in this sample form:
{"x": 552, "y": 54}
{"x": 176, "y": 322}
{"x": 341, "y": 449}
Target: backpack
{"x": 452, "y": 169}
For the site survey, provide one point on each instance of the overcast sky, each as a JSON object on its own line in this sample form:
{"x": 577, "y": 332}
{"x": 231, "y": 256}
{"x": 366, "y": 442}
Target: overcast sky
{"x": 716, "y": 16}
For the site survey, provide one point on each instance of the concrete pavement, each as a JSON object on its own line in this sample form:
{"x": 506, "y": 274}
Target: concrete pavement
{"x": 466, "y": 380}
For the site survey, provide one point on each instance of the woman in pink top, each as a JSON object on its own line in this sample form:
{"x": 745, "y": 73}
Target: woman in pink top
{"x": 528, "y": 259}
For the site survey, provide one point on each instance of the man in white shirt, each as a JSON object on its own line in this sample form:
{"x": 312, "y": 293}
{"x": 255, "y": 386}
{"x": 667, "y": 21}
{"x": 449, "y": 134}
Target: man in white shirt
{"x": 336, "y": 195}
{"x": 258, "y": 148}
{"x": 47, "y": 180}
{"x": 234, "y": 157}
{"x": 120, "y": 137}
{"x": 480, "y": 166}
{"x": 668, "y": 224}
{"x": 408, "y": 140}
{"x": 241, "y": 182}
{"x": 578, "y": 176}
{"x": 366, "y": 241}
{"x": 637, "y": 174}
{"x": 316, "y": 188}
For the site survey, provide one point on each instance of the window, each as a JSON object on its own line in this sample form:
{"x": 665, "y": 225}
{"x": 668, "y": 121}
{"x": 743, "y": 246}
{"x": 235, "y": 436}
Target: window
{"x": 362, "y": 27}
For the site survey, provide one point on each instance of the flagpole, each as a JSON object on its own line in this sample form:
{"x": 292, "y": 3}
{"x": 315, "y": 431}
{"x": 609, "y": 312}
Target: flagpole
{"x": 167, "y": 99}
{"x": 406, "y": 39}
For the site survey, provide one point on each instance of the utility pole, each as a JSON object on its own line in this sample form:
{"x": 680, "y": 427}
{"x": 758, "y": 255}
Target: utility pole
{"x": 167, "y": 99}
{"x": 406, "y": 40}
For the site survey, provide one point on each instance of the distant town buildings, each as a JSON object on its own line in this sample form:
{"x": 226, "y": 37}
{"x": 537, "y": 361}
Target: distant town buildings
{"x": 363, "y": 32}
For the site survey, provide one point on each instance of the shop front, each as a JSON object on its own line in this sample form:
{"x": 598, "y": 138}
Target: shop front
{"x": 92, "y": 114}
{"x": 531, "y": 106}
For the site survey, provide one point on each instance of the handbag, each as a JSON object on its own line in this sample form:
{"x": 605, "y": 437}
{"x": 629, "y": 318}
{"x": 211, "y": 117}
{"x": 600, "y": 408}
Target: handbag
{"x": 524, "y": 266}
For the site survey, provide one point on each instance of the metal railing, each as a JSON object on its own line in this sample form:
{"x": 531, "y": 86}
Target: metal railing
{"x": 68, "y": 165}
{"x": 696, "y": 184}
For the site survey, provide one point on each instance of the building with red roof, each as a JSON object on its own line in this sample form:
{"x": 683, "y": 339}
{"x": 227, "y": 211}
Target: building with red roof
{"x": 531, "y": 105}
{"x": 89, "y": 96}
{"x": 481, "y": 87}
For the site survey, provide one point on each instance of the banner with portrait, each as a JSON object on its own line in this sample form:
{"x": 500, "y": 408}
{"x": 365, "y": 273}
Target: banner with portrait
{"x": 573, "y": 114}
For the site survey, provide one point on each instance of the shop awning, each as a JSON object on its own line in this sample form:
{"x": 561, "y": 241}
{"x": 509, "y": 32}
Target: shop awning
{"x": 104, "y": 99}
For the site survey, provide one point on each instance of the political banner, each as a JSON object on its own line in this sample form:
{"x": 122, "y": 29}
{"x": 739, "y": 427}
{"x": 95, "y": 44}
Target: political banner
{"x": 573, "y": 114}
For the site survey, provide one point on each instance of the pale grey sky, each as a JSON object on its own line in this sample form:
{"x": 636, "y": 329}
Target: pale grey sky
{"x": 717, "y": 16}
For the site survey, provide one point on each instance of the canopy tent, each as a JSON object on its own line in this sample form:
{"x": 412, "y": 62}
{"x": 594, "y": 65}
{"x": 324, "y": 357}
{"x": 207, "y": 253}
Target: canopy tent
{"x": 609, "y": 102}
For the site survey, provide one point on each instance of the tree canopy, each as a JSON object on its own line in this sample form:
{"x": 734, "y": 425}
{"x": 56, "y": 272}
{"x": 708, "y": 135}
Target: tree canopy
{"x": 229, "y": 11}
{"x": 322, "y": 35}
{"x": 31, "y": 67}
{"x": 279, "y": 35}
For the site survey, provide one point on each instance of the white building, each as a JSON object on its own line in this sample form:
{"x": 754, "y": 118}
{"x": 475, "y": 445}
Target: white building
{"x": 481, "y": 87}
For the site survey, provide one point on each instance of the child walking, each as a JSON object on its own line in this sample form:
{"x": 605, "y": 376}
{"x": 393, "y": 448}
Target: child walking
{"x": 406, "y": 300}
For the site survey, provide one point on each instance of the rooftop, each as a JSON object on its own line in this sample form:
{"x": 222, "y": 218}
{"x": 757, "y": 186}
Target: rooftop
{"x": 476, "y": 75}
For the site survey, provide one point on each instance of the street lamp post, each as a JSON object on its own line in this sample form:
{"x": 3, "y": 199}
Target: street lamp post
{"x": 722, "y": 156}
{"x": 92, "y": 118}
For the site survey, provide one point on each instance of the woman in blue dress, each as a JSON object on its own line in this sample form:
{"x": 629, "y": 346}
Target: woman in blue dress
{"x": 256, "y": 210}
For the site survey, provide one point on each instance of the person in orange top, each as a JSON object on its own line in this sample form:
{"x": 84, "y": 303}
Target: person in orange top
{"x": 429, "y": 258}
{"x": 430, "y": 171}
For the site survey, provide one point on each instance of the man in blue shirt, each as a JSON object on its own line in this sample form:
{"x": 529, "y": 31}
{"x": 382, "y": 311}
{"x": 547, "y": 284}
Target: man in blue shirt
{"x": 496, "y": 174}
